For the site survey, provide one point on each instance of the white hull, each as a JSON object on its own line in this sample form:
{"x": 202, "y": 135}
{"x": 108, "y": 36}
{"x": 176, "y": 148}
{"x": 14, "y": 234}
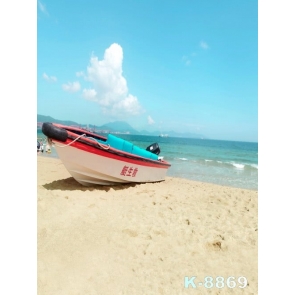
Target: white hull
{"x": 89, "y": 168}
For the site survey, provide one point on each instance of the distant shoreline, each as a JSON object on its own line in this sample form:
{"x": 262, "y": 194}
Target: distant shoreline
{"x": 122, "y": 127}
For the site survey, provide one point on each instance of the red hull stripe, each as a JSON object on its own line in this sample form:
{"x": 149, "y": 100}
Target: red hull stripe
{"x": 115, "y": 154}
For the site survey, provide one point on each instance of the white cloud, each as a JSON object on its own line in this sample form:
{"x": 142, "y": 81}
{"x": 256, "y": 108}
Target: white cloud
{"x": 89, "y": 94}
{"x": 110, "y": 87}
{"x": 204, "y": 45}
{"x": 129, "y": 104}
{"x": 80, "y": 74}
{"x": 71, "y": 87}
{"x": 49, "y": 79}
{"x": 150, "y": 120}
{"x": 42, "y": 7}
{"x": 186, "y": 60}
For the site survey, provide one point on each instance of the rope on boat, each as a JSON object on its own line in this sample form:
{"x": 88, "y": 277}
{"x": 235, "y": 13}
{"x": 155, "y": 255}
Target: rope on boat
{"x": 106, "y": 147}
{"x": 62, "y": 146}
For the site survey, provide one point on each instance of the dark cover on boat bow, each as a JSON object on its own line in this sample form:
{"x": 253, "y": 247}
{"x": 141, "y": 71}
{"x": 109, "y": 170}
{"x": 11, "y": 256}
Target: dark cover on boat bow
{"x": 54, "y": 132}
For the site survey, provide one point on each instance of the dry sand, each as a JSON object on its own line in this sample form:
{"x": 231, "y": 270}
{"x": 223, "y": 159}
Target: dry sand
{"x": 142, "y": 238}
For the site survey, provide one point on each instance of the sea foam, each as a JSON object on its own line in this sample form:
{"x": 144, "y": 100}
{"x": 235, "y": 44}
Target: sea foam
{"x": 238, "y": 166}
{"x": 182, "y": 159}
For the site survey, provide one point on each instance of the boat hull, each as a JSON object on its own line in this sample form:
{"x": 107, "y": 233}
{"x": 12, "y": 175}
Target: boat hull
{"x": 88, "y": 168}
{"x": 91, "y": 159}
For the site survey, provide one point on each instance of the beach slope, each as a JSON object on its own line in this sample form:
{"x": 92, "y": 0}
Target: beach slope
{"x": 143, "y": 238}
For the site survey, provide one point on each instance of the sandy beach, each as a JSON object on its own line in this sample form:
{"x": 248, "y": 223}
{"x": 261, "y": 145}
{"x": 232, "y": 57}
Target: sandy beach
{"x": 143, "y": 238}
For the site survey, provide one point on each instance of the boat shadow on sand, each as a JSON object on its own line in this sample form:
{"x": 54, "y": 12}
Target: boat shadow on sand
{"x": 70, "y": 184}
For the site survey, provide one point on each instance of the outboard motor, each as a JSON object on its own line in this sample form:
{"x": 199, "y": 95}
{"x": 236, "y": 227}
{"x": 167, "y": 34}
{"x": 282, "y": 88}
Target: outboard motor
{"x": 154, "y": 148}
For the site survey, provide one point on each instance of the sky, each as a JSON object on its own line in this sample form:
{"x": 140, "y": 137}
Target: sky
{"x": 187, "y": 66}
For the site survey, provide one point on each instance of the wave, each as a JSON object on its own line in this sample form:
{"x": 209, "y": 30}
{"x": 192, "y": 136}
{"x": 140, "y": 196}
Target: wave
{"x": 235, "y": 165}
{"x": 219, "y": 163}
{"x": 182, "y": 159}
{"x": 238, "y": 166}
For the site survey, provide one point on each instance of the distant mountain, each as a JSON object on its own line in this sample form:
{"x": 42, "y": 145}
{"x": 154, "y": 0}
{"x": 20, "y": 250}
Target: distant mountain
{"x": 120, "y": 127}
{"x": 42, "y": 118}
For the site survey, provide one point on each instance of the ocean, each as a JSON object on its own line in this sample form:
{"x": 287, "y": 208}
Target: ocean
{"x": 229, "y": 163}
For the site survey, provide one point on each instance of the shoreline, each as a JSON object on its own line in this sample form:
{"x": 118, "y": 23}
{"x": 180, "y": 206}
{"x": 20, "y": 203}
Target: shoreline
{"x": 133, "y": 237}
{"x": 50, "y": 156}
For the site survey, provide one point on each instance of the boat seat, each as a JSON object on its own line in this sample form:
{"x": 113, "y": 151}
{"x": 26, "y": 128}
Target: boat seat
{"x": 126, "y": 146}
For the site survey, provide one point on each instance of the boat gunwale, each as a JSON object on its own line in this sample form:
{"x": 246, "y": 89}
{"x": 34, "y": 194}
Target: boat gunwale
{"x": 91, "y": 142}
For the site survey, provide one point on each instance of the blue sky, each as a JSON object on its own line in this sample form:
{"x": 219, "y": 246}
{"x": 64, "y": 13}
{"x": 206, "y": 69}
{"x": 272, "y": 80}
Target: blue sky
{"x": 188, "y": 66}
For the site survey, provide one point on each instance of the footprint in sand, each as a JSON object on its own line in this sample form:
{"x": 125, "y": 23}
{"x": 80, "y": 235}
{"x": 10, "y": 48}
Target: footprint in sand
{"x": 130, "y": 232}
{"x": 216, "y": 245}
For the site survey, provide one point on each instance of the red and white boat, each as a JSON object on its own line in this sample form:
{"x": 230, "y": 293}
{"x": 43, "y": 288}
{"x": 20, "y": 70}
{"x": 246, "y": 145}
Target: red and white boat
{"x": 93, "y": 159}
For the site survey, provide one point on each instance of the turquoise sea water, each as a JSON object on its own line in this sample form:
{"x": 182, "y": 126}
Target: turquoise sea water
{"x": 227, "y": 163}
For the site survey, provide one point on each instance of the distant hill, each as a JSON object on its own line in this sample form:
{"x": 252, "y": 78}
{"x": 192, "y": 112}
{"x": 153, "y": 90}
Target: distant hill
{"x": 42, "y": 118}
{"x": 119, "y": 126}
